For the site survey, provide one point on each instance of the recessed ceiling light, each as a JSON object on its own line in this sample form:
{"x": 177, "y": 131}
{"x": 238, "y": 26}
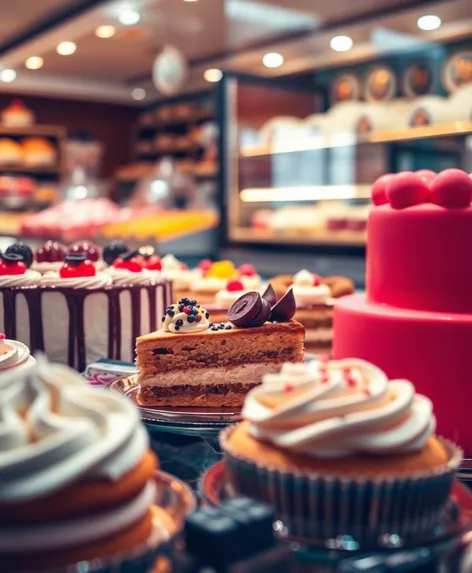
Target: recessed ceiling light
{"x": 105, "y": 31}
{"x": 429, "y": 22}
{"x": 129, "y": 17}
{"x": 190, "y": 0}
{"x": 34, "y": 63}
{"x": 66, "y": 48}
{"x": 138, "y": 93}
{"x": 213, "y": 75}
{"x": 341, "y": 43}
{"x": 7, "y": 75}
{"x": 273, "y": 60}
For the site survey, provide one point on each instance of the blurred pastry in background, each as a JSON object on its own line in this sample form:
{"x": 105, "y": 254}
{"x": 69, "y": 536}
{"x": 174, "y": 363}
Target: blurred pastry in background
{"x": 11, "y": 152}
{"x": 16, "y": 192}
{"x": 16, "y": 114}
{"x": 38, "y": 152}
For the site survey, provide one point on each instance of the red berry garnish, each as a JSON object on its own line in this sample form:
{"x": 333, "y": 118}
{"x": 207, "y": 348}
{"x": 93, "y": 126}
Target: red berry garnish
{"x": 187, "y": 310}
{"x": 234, "y": 285}
{"x": 316, "y": 280}
{"x": 350, "y": 381}
{"x": 378, "y": 192}
{"x": 153, "y": 263}
{"x": 87, "y": 248}
{"x": 247, "y": 270}
{"x": 133, "y": 264}
{"x": 288, "y": 387}
{"x": 452, "y": 189}
{"x": 204, "y": 265}
{"x": 76, "y": 266}
{"x": 51, "y": 252}
{"x": 407, "y": 189}
{"x": 198, "y": 318}
{"x": 12, "y": 264}
{"x": 324, "y": 378}
{"x": 367, "y": 392}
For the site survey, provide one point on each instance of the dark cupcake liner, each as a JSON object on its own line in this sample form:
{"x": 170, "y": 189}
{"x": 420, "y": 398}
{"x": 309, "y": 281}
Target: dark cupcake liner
{"x": 322, "y": 507}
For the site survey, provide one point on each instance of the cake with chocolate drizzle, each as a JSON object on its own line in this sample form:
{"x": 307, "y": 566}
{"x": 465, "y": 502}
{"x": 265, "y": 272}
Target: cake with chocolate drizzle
{"x": 73, "y": 308}
{"x": 193, "y": 362}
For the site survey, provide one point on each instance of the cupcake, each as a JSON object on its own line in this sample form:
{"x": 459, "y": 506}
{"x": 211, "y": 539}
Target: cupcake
{"x": 337, "y": 449}
{"x": 76, "y": 476}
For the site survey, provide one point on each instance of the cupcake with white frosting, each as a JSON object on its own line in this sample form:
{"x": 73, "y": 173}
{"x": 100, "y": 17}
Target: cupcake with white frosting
{"x": 338, "y": 449}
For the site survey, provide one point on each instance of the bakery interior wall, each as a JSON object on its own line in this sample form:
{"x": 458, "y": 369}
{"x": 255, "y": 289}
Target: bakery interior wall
{"x": 110, "y": 124}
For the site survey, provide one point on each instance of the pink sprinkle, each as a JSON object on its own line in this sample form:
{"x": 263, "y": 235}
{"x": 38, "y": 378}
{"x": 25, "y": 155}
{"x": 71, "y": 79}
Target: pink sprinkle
{"x": 2, "y": 336}
{"x": 324, "y": 379}
{"x": 350, "y": 381}
{"x": 346, "y": 371}
{"x": 367, "y": 392}
{"x": 288, "y": 387}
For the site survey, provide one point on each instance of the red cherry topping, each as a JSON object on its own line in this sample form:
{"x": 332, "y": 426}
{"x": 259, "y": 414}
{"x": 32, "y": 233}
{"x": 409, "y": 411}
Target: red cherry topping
{"x": 247, "y": 270}
{"x": 316, "y": 280}
{"x": 204, "y": 265}
{"x": 234, "y": 285}
{"x": 427, "y": 175}
{"x": 452, "y": 189}
{"x": 379, "y": 195}
{"x": 198, "y": 318}
{"x": 51, "y": 252}
{"x": 86, "y": 248}
{"x": 11, "y": 264}
{"x": 76, "y": 266}
{"x": 288, "y": 387}
{"x": 153, "y": 263}
{"x": 133, "y": 264}
{"x": 407, "y": 189}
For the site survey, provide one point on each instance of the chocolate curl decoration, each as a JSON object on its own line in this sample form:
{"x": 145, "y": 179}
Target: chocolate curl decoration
{"x": 269, "y": 295}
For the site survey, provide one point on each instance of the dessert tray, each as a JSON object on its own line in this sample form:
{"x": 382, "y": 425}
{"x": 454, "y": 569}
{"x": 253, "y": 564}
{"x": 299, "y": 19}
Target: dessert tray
{"x": 214, "y": 489}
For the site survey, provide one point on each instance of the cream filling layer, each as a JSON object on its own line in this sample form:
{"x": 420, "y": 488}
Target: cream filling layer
{"x": 70, "y": 533}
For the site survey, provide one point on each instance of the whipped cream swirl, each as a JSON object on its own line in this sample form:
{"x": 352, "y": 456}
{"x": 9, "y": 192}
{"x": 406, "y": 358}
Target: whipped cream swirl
{"x": 253, "y": 282}
{"x": 307, "y": 293}
{"x": 56, "y": 429}
{"x": 225, "y": 298}
{"x": 30, "y": 278}
{"x": 100, "y": 280}
{"x": 338, "y": 408}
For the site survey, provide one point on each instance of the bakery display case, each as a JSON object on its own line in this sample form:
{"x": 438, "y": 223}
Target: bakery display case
{"x": 297, "y": 173}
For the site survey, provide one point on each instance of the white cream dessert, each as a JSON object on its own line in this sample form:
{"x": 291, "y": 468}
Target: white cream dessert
{"x": 177, "y": 272}
{"x": 308, "y": 289}
{"x": 68, "y": 455}
{"x": 13, "y": 354}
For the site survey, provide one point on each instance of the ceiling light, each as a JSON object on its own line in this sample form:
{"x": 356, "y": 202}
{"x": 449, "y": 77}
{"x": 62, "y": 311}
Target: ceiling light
{"x": 105, "y": 31}
{"x": 341, "y": 43}
{"x": 429, "y": 22}
{"x": 7, "y": 75}
{"x": 138, "y": 93}
{"x": 66, "y": 48}
{"x": 213, "y": 75}
{"x": 129, "y": 17}
{"x": 34, "y": 63}
{"x": 190, "y": 0}
{"x": 273, "y": 60}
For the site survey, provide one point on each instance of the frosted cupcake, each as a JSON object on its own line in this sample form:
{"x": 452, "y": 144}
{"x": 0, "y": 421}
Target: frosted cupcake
{"x": 337, "y": 449}
{"x": 76, "y": 475}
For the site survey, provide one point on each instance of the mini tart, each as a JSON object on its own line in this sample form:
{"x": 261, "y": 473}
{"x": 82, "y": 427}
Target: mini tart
{"x": 360, "y": 496}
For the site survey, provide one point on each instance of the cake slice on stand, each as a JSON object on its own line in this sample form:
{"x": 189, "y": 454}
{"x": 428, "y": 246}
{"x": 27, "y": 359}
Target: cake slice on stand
{"x": 194, "y": 362}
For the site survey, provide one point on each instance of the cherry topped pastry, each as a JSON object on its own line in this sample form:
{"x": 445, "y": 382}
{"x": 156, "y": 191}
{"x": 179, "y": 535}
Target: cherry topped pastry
{"x": 76, "y": 265}
{"x": 153, "y": 263}
{"x": 51, "y": 252}
{"x": 129, "y": 262}
{"x": 87, "y": 248}
{"x": 247, "y": 270}
{"x": 12, "y": 264}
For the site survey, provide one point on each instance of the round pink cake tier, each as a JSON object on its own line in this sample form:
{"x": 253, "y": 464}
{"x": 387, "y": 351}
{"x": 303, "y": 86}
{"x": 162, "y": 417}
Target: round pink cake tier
{"x": 431, "y": 350}
{"x": 418, "y": 258}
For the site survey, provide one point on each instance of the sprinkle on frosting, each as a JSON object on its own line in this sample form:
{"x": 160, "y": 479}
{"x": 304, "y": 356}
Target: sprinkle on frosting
{"x": 186, "y": 316}
{"x": 338, "y": 408}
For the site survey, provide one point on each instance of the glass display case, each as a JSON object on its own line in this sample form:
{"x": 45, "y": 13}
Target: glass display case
{"x": 297, "y": 175}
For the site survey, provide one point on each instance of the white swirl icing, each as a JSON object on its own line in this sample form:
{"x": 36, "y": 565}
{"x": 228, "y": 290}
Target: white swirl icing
{"x": 30, "y": 278}
{"x": 56, "y": 429}
{"x": 170, "y": 322}
{"x": 100, "y": 280}
{"x": 45, "y": 267}
{"x": 306, "y": 292}
{"x": 338, "y": 408}
{"x": 251, "y": 283}
{"x": 124, "y": 277}
{"x": 225, "y": 298}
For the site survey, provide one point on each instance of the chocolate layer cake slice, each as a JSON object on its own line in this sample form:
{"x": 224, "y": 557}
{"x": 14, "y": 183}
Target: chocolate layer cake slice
{"x": 192, "y": 362}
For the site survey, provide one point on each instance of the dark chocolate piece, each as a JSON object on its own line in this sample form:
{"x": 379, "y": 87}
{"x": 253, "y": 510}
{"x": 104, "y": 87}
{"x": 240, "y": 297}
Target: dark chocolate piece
{"x": 263, "y": 315}
{"x": 245, "y": 310}
{"x": 269, "y": 295}
{"x": 113, "y": 251}
{"x": 11, "y": 257}
{"x": 75, "y": 258}
{"x": 285, "y": 309}
{"x": 23, "y": 250}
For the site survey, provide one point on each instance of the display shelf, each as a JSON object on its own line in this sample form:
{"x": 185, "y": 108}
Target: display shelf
{"x": 53, "y": 131}
{"x": 176, "y": 121}
{"x": 29, "y": 170}
{"x": 301, "y": 237}
{"x": 349, "y": 139}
